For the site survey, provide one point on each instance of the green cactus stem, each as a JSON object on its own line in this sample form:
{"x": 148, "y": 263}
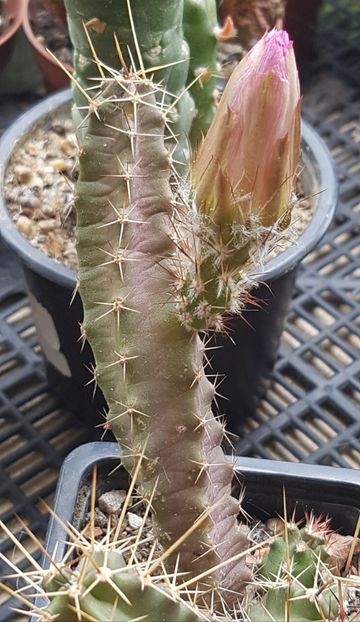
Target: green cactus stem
{"x": 215, "y": 283}
{"x": 294, "y": 577}
{"x": 159, "y": 43}
{"x": 147, "y": 364}
{"x": 110, "y": 590}
{"x": 200, "y": 24}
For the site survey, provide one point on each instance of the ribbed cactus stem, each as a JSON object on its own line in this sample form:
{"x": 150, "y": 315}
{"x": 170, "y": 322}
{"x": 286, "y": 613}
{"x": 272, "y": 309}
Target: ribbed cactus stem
{"x": 297, "y": 584}
{"x": 200, "y": 25}
{"x": 115, "y": 592}
{"x": 148, "y": 365}
{"x": 210, "y": 288}
{"x": 149, "y": 34}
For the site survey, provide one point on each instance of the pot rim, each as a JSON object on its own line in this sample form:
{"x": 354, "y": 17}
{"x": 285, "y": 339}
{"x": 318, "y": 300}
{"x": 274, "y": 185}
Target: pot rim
{"x": 315, "y": 153}
{"x": 78, "y": 461}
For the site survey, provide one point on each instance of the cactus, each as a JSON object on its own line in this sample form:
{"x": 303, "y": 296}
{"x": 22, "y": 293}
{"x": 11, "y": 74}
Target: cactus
{"x": 143, "y": 254}
{"x": 200, "y": 29}
{"x": 297, "y": 583}
{"x": 161, "y": 259}
{"x": 151, "y": 39}
{"x": 113, "y": 578}
{"x": 158, "y": 402}
{"x": 115, "y": 592}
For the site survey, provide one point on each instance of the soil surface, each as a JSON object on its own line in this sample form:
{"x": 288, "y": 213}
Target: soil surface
{"x": 39, "y": 191}
{"x": 51, "y": 33}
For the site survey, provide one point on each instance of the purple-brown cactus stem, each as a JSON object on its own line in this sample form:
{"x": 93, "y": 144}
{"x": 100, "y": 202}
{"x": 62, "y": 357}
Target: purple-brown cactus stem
{"x": 148, "y": 364}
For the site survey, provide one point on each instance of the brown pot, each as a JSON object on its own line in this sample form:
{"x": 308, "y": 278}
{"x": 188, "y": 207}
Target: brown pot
{"x": 301, "y": 18}
{"x": 13, "y": 10}
{"x": 53, "y": 75}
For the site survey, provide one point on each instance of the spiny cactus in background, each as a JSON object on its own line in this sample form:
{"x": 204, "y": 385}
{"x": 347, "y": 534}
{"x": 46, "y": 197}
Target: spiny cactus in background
{"x": 200, "y": 31}
{"x": 159, "y": 44}
{"x": 295, "y": 579}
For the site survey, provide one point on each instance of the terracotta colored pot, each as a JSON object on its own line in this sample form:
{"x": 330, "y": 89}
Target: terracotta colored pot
{"x": 301, "y": 19}
{"x": 53, "y": 75}
{"x": 13, "y": 10}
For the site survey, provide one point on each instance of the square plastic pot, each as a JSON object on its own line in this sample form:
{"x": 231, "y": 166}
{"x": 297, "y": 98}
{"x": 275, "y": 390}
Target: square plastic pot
{"x": 329, "y": 491}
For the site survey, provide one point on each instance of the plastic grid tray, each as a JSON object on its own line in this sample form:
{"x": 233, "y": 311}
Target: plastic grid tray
{"x": 310, "y": 412}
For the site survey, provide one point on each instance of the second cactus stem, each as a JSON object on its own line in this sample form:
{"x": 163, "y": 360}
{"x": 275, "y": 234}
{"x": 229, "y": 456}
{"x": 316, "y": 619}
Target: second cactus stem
{"x": 297, "y": 584}
{"x": 200, "y": 25}
{"x": 148, "y": 364}
{"x": 148, "y": 36}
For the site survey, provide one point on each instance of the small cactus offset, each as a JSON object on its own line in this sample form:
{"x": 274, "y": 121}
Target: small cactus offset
{"x": 295, "y": 578}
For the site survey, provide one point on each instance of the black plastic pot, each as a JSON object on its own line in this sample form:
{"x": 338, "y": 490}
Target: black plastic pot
{"x": 325, "y": 490}
{"x": 256, "y": 334}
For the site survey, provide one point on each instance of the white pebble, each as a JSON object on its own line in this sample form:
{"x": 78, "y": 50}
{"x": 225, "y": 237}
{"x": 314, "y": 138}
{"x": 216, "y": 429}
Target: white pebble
{"x": 135, "y": 521}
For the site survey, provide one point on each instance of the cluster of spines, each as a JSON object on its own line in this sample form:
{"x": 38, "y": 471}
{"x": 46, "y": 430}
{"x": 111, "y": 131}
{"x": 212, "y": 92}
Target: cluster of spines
{"x": 106, "y": 578}
{"x": 214, "y": 263}
{"x": 295, "y": 581}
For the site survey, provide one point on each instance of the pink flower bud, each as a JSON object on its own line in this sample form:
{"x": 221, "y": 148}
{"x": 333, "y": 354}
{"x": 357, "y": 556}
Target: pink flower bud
{"x": 247, "y": 163}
